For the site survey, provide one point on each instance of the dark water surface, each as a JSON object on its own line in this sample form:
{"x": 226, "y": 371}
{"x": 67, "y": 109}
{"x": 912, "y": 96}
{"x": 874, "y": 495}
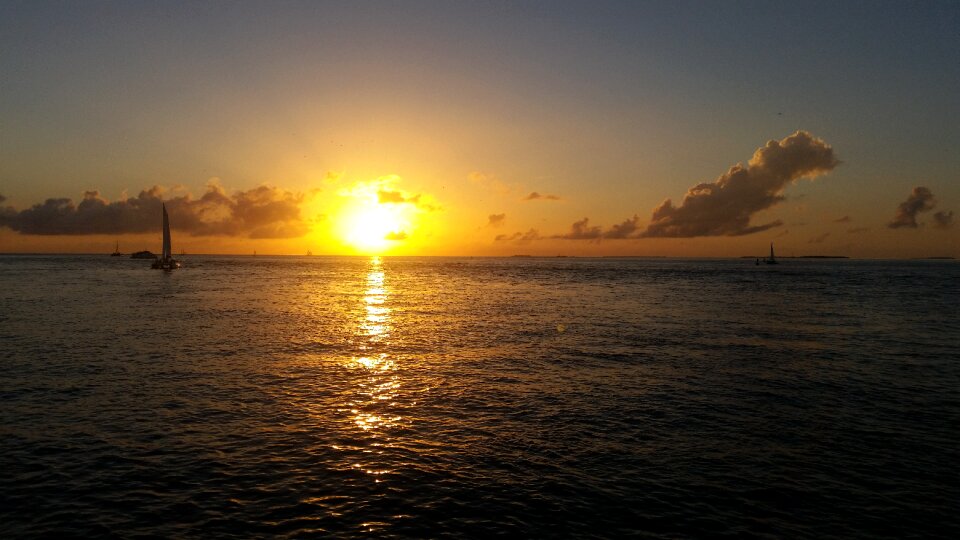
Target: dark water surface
{"x": 445, "y": 397}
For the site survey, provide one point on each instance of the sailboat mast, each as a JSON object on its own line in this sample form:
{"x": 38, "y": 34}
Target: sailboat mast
{"x": 771, "y": 251}
{"x": 166, "y": 234}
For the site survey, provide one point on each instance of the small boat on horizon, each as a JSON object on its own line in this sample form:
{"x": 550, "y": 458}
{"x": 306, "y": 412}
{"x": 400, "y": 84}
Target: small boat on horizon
{"x": 116, "y": 250}
{"x": 769, "y": 260}
{"x": 166, "y": 260}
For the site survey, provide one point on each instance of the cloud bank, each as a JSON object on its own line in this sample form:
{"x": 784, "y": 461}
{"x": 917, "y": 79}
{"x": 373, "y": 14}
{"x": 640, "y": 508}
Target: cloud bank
{"x": 725, "y": 206}
{"x": 582, "y": 230}
{"x": 261, "y": 212}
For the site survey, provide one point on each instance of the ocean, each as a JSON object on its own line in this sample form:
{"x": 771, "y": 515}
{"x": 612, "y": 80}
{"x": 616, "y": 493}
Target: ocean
{"x": 397, "y": 397}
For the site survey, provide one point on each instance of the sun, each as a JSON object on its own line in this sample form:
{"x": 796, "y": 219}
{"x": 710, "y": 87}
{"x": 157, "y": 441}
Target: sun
{"x": 373, "y": 227}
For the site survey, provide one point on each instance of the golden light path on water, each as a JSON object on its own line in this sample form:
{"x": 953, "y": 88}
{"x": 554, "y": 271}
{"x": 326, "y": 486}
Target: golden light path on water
{"x": 377, "y": 390}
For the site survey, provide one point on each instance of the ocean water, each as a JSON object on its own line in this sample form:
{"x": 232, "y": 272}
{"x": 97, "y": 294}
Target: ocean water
{"x": 470, "y": 397}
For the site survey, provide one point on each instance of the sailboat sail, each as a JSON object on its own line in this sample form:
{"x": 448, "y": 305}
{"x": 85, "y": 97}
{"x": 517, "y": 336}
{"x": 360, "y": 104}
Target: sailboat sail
{"x": 166, "y": 260}
{"x": 771, "y": 252}
{"x": 167, "y": 254}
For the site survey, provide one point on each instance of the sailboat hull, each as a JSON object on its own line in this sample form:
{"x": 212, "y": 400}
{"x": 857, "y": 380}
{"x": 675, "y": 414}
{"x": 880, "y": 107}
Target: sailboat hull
{"x": 169, "y": 264}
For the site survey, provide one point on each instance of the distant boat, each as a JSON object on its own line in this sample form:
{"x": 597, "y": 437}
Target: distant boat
{"x": 143, "y": 255}
{"x": 116, "y": 251}
{"x": 166, "y": 260}
{"x": 772, "y": 259}
{"x": 309, "y": 253}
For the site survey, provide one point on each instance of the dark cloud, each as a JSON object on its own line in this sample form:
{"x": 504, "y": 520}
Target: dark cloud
{"x": 262, "y": 212}
{"x": 625, "y": 229}
{"x": 519, "y": 237}
{"x": 857, "y": 230}
{"x": 401, "y": 235}
{"x": 844, "y": 219}
{"x": 535, "y": 196}
{"x": 581, "y": 230}
{"x": 943, "y": 220}
{"x": 724, "y": 207}
{"x": 7, "y": 213}
{"x": 496, "y": 220}
{"x": 819, "y": 239}
{"x": 920, "y": 200}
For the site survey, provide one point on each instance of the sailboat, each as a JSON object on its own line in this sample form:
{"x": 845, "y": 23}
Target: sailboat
{"x": 771, "y": 260}
{"x": 116, "y": 251}
{"x": 166, "y": 260}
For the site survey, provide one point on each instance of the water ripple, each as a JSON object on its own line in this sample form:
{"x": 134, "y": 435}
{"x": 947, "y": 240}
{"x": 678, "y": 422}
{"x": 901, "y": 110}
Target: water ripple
{"x": 341, "y": 397}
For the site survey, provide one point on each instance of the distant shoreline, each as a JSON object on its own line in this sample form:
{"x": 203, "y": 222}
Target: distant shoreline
{"x": 798, "y": 257}
{"x": 518, "y": 256}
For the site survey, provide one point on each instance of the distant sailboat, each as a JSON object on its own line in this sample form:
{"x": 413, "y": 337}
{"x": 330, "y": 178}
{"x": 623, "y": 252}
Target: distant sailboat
{"x": 116, "y": 251}
{"x": 771, "y": 260}
{"x": 166, "y": 260}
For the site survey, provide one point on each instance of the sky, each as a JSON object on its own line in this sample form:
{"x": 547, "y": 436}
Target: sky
{"x": 482, "y": 128}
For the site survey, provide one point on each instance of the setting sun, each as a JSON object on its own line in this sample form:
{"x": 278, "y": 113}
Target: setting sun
{"x": 373, "y": 227}
{"x": 377, "y": 216}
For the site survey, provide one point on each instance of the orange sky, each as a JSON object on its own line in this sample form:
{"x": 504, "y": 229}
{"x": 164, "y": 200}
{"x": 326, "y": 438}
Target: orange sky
{"x": 447, "y": 129}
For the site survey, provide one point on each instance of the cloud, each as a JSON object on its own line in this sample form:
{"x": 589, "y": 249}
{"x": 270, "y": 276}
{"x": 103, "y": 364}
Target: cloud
{"x": 261, "y": 212}
{"x": 581, "y": 230}
{"x": 519, "y": 237}
{"x": 387, "y": 196}
{"x": 535, "y": 196}
{"x": 819, "y": 239}
{"x": 400, "y": 235}
{"x": 943, "y": 220}
{"x": 397, "y": 197}
{"x": 2, "y": 198}
{"x": 844, "y": 219}
{"x": 496, "y": 220}
{"x": 625, "y": 229}
{"x": 857, "y": 230}
{"x": 920, "y": 200}
{"x": 725, "y": 206}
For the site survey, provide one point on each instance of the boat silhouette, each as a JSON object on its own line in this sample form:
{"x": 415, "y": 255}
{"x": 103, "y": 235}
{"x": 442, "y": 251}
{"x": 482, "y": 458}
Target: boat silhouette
{"x": 771, "y": 259}
{"x": 166, "y": 260}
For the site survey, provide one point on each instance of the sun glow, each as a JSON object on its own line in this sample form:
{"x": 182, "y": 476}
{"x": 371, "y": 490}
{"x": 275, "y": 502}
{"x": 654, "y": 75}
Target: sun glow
{"x": 376, "y": 217}
{"x": 373, "y": 227}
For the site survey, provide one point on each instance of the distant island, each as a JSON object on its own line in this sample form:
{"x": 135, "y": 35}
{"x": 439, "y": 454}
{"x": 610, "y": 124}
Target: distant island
{"x": 143, "y": 255}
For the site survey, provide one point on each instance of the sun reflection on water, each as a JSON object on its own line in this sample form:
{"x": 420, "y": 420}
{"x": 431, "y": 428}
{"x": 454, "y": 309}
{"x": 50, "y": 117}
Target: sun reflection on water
{"x": 379, "y": 389}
